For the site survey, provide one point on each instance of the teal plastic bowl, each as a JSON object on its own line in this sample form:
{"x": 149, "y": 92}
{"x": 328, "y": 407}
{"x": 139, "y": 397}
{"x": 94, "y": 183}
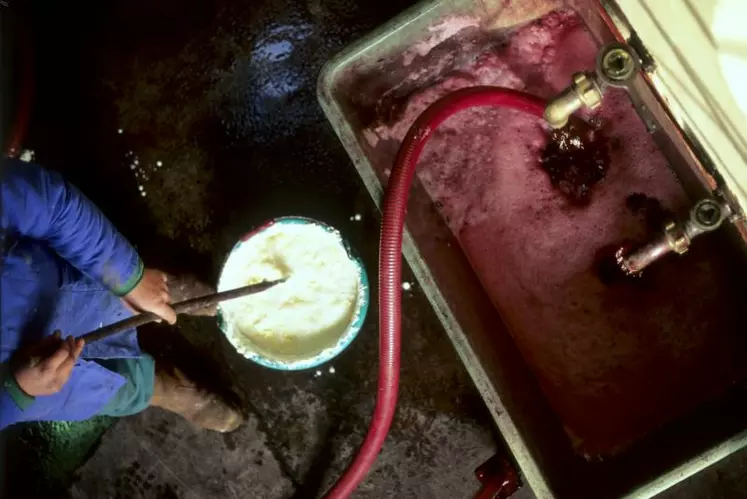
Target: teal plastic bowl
{"x": 327, "y": 354}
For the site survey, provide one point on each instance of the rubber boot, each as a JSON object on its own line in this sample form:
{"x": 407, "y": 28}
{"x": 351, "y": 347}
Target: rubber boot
{"x": 176, "y": 393}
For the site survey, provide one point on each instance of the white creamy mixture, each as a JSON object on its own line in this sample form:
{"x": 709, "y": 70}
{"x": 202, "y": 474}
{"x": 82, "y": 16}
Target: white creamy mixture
{"x": 305, "y": 314}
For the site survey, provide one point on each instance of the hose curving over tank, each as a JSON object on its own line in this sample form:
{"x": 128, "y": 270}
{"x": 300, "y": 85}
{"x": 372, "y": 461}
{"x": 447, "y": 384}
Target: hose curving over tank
{"x": 390, "y": 260}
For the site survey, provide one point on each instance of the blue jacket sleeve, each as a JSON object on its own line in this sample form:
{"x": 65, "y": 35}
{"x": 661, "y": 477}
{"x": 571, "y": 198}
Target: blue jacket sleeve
{"x": 41, "y": 205}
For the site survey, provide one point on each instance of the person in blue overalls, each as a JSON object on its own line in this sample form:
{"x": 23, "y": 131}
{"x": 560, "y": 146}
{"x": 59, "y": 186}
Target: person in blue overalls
{"x": 66, "y": 271}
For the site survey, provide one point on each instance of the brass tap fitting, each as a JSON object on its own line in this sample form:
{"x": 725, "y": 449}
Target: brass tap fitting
{"x": 584, "y": 92}
{"x": 706, "y": 216}
{"x": 616, "y": 66}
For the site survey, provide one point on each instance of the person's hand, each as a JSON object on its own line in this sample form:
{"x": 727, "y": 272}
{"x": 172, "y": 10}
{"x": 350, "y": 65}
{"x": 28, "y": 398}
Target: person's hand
{"x": 152, "y": 295}
{"x": 44, "y": 367}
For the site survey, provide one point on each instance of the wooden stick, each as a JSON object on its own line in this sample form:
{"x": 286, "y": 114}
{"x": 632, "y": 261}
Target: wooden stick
{"x": 183, "y": 307}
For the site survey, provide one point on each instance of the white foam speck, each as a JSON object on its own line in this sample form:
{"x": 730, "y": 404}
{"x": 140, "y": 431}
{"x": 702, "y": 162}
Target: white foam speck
{"x": 142, "y": 193}
{"x": 331, "y": 370}
{"x": 406, "y": 286}
{"x": 158, "y": 163}
{"x": 120, "y": 131}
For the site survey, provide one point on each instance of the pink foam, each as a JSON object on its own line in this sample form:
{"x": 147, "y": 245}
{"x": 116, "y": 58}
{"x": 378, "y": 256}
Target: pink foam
{"x": 615, "y": 362}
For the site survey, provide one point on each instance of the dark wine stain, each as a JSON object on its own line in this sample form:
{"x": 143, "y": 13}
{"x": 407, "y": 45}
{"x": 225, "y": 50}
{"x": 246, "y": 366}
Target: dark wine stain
{"x": 576, "y": 158}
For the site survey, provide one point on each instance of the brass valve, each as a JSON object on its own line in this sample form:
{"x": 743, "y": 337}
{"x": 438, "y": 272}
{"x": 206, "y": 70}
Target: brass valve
{"x": 617, "y": 66}
{"x": 584, "y": 92}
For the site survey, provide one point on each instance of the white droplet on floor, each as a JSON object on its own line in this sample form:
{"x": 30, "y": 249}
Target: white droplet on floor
{"x": 358, "y": 217}
{"x": 140, "y": 187}
{"x": 136, "y": 161}
{"x": 406, "y": 286}
{"x": 331, "y": 370}
{"x": 120, "y": 131}
{"x": 27, "y": 155}
{"x": 318, "y": 373}
{"x": 132, "y": 167}
{"x": 158, "y": 163}
{"x": 143, "y": 193}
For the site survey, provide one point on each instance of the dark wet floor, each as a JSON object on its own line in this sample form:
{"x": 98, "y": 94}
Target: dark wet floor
{"x": 222, "y": 94}
{"x": 189, "y": 123}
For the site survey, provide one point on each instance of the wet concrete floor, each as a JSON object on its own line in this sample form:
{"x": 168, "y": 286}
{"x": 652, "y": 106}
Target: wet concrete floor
{"x": 220, "y": 130}
{"x": 190, "y": 122}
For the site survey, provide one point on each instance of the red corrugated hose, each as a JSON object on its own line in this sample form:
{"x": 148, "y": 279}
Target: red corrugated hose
{"x": 390, "y": 260}
{"x": 25, "y": 99}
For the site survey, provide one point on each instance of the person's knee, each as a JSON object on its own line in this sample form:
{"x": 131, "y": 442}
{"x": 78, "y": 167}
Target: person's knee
{"x": 135, "y": 395}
